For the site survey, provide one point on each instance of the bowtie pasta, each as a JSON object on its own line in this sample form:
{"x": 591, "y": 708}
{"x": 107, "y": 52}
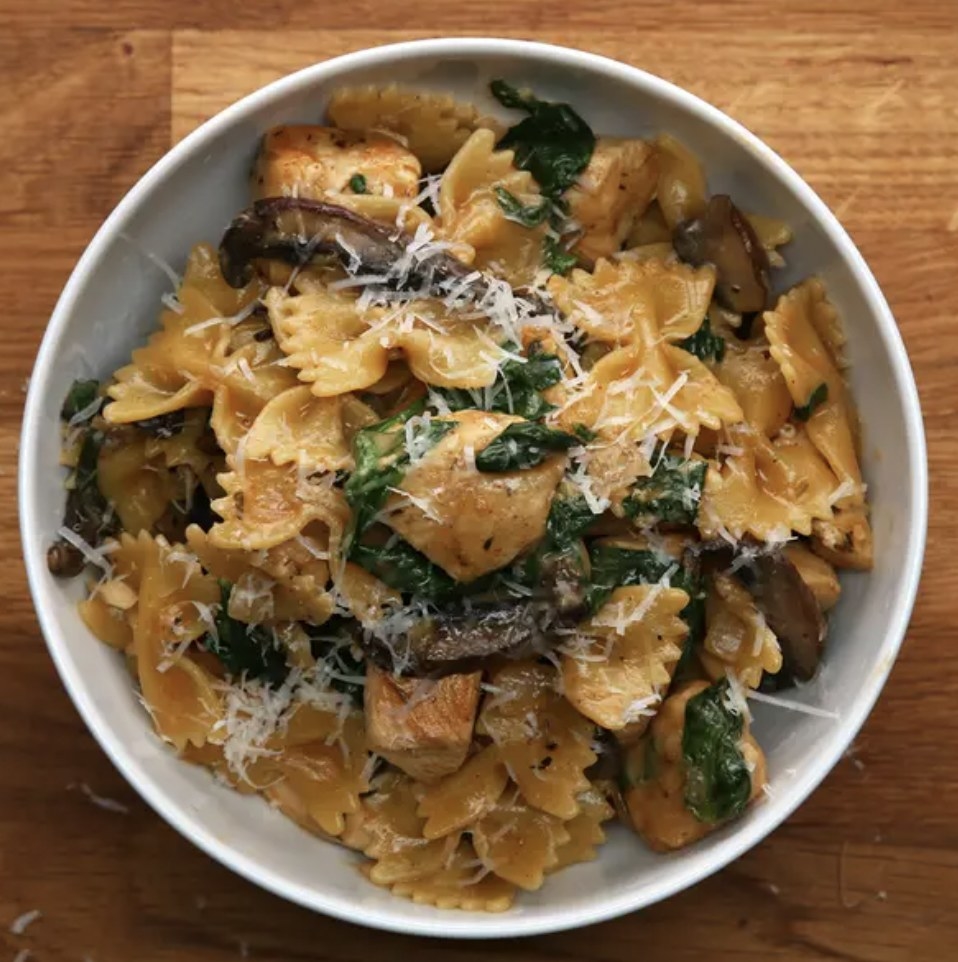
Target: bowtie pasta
{"x": 465, "y": 495}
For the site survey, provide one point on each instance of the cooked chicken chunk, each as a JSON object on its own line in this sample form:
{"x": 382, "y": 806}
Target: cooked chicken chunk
{"x": 466, "y": 521}
{"x": 314, "y": 162}
{"x": 611, "y": 193}
{"x": 419, "y": 725}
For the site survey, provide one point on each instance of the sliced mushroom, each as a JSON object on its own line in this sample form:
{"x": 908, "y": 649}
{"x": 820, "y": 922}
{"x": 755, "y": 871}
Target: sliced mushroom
{"x": 465, "y": 638}
{"x": 723, "y": 236}
{"x": 790, "y": 609}
{"x": 296, "y": 231}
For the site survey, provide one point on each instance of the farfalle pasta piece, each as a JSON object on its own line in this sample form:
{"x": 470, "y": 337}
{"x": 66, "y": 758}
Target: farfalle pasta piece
{"x": 296, "y": 427}
{"x": 543, "y": 741}
{"x": 671, "y": 297}
{"x": 737, "y": 638}
{"x": 462, "y": 883}
{"x": 470, "y": 212}
{"x": 795, "y": 330}
{"x": 306, "y": 160}
{"x": 614, "y": 189}
{"x": 393, "y": 833}
{"x": 519, "y": 843}
{"x": 585, "y": 830}
{"x": 140, "y": 490}
{"x": 433, "y": 125}
{"x": 648, "y": 388}
{"x": 337, "y": 348}
{"x": 178, "y": 366}
{"x": 327, "y": 340}
{"x": 285, "y": 583}
{"x": 183, "y": 698}
{"x": 681, "y": 190}
{"x": 766, "y": 489}
{"x": 755, "y": 379}
{"x": 329, "y": 778}
{"x": 465, "y": 796}
{"x": 618, "y": 668}
{"x": 265, "y": 505}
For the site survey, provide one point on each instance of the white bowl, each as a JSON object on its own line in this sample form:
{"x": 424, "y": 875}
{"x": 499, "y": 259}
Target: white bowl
{"x": 111, "y": 303}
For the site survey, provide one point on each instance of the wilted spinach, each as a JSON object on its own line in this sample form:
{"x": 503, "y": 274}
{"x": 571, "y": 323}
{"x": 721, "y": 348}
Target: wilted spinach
{"x": 332, "y": 645}
{"x": 705, "y": 344}
{"x": 88, "y": 513}
{"x": 522, "y": 445}
{"x": 553, "y": 143}
{"x": 717, "y": 780}
{"x": 245, "y": 649}
{"x": 516, "y": 390}
{"x": 80, "y": 397}
{"x": 569, "y": 518}
{"x": 529, "y": 215}
{"x": 556, "y": 257}
{"x": 818, "y": 397}
{"x": 399, "y": 565}
{"x": 381, "y": 457}
{"x": 672, "y": 493}
{"x": 357, "y": 184}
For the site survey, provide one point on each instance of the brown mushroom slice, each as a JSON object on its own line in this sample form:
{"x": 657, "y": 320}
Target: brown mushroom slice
{"x": 465, "y": 639}
{"x": 296, "y": 231}
{"x": 790, "y": 609}
{"x": 722, "y": 236}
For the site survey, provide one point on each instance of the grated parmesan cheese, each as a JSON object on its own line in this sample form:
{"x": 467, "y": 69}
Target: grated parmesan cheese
{"x": 793, "y": 705}
{"x": 20, "y": 924}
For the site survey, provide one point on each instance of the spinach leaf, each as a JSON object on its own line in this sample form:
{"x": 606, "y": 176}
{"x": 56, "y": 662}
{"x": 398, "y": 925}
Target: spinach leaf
{"x": 569, "y": 517}
{"x": 381, "y": 458}
{"x": 613, "y": 567}
{"x": 244, "y": 649}
{"x": 671, "y": 494}
{"x": 357, "y": 184}
{"x": 556, "y": 257}
{"x": 332, "y": 645}
{"x": 584, "y": 434}
{"x": 818, "y": 397}
{"x": 704, "y": 344}
{"x": 717, "y": 781}
{"x": 529, "y": 215}
{"x": 553, "y": 143}
{"x": 401, "y": 566}
{"x": 522, "y": 445}
{"x": 80, "y": 397}
{"x": 516, "y": 389}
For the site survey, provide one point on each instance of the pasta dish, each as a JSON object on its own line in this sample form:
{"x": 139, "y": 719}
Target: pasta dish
{"x": 467, "y": 493}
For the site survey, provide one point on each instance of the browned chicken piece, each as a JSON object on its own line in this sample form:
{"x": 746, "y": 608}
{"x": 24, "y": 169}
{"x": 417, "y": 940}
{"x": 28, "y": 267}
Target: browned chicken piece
{"x": 817, "y": 573}
{"x": 611, "y": 193}
{"x": 467, "y": 521}
{"x": 656, "y": 771}
{"x": 314, "y": 162}
{"x": 422, "y": 726}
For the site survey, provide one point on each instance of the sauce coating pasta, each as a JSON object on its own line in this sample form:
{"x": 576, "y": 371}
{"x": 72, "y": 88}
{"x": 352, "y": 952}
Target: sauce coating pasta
{"x": 462, "y": 496}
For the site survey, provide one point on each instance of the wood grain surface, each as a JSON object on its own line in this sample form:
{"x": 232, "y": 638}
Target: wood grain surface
{"x": 858, "y": 95}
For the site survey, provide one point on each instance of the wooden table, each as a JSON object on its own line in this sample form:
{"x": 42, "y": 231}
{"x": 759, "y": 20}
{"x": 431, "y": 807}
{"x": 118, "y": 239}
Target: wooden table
{"x": 858, "y": 95}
